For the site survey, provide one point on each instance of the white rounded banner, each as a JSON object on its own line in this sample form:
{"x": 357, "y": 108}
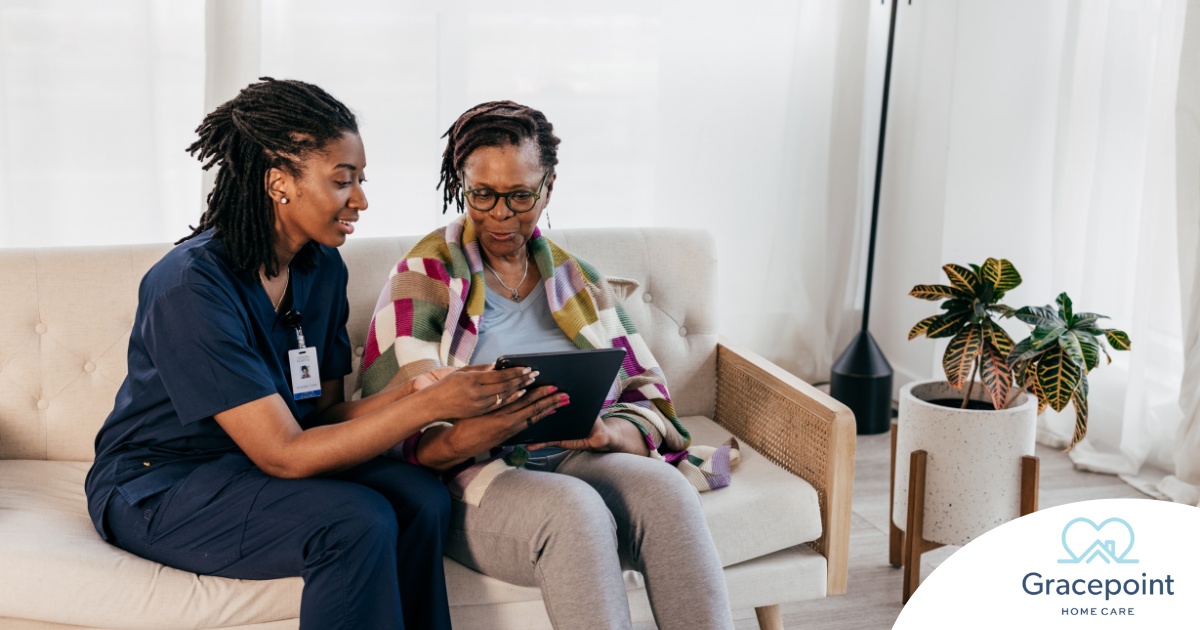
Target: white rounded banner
{"x": 1111, "y": 563}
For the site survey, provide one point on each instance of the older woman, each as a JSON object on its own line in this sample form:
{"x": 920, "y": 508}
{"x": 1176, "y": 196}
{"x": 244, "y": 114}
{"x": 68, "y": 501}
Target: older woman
{"x": 219, "y": 457}
{"x": 491, "y": 284}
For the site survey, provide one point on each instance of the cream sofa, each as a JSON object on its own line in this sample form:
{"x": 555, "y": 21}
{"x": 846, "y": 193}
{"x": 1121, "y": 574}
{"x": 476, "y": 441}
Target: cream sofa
{"x": 782, "y": 527}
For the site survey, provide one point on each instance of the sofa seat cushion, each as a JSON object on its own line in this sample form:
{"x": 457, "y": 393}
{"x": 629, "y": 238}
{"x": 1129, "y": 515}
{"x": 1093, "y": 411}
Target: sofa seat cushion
{"x": 56, "y": 568}
{"x": 763, "y": 510}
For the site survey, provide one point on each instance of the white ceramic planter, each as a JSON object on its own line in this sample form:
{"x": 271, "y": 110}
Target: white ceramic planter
{"x": 973, "y": 474}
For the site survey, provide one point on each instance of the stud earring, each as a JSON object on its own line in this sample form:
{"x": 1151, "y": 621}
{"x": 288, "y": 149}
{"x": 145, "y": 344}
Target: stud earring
{"x": 283, "y": 200}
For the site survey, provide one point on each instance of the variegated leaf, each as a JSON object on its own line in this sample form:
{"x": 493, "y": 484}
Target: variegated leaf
{"x": 1045, "y": 337}
{"x": 1036, "y": 389}
{"x": 1064, "y": 306}
{"x": 1083, "y": 320}
{"x": 959, "y": 360}
{"x": 962, "y": 278}
{"x": 922, "y": 326}
{"x": 947, "y": 325}
{"x": 998, "y": 336}
{"x": 935, "y": 292}
{"x": 1043, "y": 316}
{"x": 1081, "y": 412}
{"x": 1002, "y": 274}
{"x": 997, "y": 375}
{"x": 1117, "y": 339}
{"x": 1057, "y": 376}
{"x": 1091, "y": 351}
{"x": 1070, "y": 345}
{"x": 1019, "y": 371}
{"x": 956, "y": 304}
{"x": 1022, "y": 347}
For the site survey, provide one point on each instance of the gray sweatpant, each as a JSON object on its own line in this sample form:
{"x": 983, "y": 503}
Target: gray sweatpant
{"x": 571, "y": 531}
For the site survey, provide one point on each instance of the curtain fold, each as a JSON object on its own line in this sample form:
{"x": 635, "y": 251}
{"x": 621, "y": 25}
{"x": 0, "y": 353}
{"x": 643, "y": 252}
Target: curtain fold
{"x": 1183, "y": 485}
{"x": 1057, "y": 150}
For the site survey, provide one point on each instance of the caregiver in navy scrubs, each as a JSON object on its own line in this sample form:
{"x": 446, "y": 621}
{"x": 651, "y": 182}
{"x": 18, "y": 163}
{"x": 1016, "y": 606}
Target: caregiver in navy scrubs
{"x": 219, "y": 457}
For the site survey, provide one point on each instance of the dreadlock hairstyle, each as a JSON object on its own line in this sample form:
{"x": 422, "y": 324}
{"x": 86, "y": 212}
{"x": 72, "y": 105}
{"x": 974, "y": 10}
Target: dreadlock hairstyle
{"x": 269, "y": 124}
{"x": 493, "y": 124}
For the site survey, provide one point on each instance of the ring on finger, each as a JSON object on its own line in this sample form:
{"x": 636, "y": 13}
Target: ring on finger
{"x": 499, "y": 399}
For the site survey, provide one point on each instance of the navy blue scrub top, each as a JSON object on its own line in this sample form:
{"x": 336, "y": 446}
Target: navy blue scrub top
{"x": 207, "y": 339}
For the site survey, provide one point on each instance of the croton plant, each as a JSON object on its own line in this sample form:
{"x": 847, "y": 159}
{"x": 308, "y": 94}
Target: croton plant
{"x": 1052, "y": 363}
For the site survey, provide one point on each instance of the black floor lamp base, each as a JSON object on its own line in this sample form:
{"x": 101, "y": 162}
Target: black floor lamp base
{"x": 862, "y": 380}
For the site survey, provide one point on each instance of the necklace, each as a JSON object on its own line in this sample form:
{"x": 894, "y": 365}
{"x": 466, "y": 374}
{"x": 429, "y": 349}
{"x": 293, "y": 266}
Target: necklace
{"x": 516, "y": 297}
{"x": 287, "y": 280}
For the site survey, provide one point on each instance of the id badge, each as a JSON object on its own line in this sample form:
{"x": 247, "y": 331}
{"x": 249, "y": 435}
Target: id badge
{"x": 306, "y": 377}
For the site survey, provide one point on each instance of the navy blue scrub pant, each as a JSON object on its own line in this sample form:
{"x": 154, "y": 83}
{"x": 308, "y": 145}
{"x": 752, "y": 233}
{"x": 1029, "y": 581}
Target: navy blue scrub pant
{"x": 367, "y": 541}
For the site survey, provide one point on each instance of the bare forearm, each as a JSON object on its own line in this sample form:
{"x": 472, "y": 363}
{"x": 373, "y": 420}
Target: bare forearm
{"x": 350, "y": 409}
{"x": 352, "y": 441}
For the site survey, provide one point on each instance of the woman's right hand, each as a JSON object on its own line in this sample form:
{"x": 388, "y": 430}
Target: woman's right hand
{"x": 476, "y": 390}
{"x": 443, "y": 447}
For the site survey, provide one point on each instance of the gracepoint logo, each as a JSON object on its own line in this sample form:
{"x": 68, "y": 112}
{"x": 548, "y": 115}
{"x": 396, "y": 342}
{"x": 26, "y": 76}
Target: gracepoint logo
{"x": 1110, "y": 541}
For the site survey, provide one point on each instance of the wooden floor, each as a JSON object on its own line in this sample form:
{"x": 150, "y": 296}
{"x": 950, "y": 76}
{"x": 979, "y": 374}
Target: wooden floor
{"x": 872, "y": 599}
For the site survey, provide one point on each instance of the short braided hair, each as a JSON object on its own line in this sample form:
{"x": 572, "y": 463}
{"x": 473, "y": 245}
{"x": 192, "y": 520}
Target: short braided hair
{"x": 492, "y": 124}
{"x": 269, "y": 124}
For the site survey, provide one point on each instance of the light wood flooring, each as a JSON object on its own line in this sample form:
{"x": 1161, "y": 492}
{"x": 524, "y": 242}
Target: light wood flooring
{"x": 872, "y": 600}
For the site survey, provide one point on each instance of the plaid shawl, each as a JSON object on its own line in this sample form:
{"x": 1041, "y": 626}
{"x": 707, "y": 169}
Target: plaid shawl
{"x": 428, "y": 315}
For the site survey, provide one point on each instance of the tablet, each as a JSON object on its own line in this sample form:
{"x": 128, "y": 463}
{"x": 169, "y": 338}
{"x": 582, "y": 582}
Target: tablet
{"x": 584, "y": 375}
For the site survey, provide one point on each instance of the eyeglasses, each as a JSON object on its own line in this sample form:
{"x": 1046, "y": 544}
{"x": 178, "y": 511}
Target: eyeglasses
{"x": 484, "y": 199}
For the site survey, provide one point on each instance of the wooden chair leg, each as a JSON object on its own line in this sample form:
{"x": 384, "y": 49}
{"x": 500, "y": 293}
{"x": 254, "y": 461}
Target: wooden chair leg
{"x": 769, "y": 617}
{"x": 1030, "y": 482}
{"x": 913, "y": 541}
{"x": 895, "y": 534}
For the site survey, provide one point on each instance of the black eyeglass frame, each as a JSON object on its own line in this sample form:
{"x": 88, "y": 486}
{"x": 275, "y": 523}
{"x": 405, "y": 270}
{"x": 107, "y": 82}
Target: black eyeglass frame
{"x": 507, "y": 202}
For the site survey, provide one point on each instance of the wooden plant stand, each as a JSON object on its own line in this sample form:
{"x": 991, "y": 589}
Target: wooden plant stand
{"x": 905, "y": 550}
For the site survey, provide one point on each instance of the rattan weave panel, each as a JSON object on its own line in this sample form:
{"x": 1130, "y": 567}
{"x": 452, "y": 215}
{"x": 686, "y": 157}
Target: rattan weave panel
{"x": 784, "y": 432}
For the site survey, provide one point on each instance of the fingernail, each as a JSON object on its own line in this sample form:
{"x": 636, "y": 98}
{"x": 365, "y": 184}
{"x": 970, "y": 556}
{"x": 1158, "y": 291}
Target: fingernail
{"x": 528, "y": 370}
{"x": 520, "y": 393}
{"x": 564, "y": 399}
{"x": 553, "y": 389}
{"x": 534, "y": 374}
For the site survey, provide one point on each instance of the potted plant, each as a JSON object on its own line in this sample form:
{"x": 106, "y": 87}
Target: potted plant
{"x": 1054, "y": 361}
{"x": 974, "y": 437}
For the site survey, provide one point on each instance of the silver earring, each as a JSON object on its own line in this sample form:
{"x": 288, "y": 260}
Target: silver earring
{"x": 549, "y": 226}
{"x": 283, "y": 200}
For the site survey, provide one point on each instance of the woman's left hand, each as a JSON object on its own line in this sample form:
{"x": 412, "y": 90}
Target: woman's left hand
{"x": 431, "y": 377}
{"x": 600, "y": 439}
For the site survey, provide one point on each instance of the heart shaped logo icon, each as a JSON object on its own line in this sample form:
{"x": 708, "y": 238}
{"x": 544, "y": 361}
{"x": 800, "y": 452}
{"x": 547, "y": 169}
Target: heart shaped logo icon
{"x": 1085, "y": 541}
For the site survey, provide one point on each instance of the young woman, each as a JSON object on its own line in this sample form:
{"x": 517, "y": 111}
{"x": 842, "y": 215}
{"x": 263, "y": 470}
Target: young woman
{"x": 218, "y": 458}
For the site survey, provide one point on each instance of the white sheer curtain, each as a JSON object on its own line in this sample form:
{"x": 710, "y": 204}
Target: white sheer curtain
{"x": 1043, "y": 132}
{"x": 745, "y": 120}
{"x": 1184, "y": 484}
{"x": 97, "y": 102}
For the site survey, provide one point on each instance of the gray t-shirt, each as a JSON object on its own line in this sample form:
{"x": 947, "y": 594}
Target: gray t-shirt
{"x": 518, "y": 327}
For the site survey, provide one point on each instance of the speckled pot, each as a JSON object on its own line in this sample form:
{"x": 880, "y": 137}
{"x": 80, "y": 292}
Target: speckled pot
{"x": 973, "y": 475}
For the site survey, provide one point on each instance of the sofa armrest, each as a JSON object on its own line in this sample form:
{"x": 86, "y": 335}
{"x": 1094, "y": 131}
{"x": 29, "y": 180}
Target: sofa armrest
{"x": 799, "y": 428}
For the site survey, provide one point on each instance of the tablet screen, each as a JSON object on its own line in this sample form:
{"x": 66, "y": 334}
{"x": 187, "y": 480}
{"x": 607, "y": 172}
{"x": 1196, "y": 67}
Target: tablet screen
{"x": 585, "y": 375}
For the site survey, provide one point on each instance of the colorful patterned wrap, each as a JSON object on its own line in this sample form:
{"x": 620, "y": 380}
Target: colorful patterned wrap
{"x": 428, "y": 316}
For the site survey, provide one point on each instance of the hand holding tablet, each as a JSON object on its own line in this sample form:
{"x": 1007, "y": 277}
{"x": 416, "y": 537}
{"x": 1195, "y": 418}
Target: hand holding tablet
{"x": 585, "y": 375}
